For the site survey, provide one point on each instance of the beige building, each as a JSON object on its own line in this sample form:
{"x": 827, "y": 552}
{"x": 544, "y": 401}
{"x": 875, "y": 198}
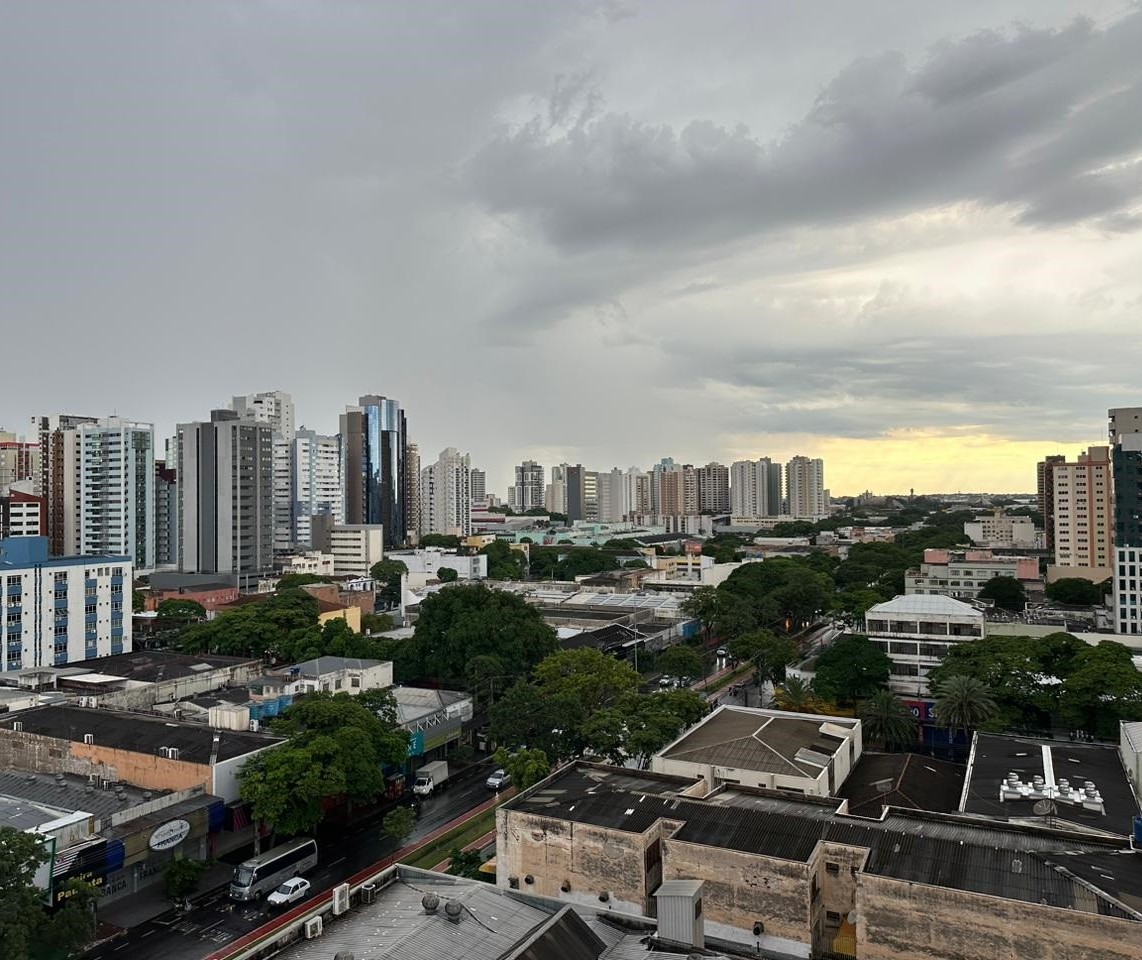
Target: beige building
{"x": 1083, "y": 511}
{"x": 355, "y": 547}
{"x": 1001, "y": 531}
{"x": 800, "y": 752}
{"x": 801, "y": 876}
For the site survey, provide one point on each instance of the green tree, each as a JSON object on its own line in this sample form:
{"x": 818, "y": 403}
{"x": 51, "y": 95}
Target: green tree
{"x": 1076, "y": 591}
{"x": 769, "y": 653}
{"x": 180, "y": 610}
{"x": 1103, "y": 688}
{"x": 465, "y": 863}
{"x": 796, "y": 695}
{"x": 294, "y": 581}
{"x": 963, "y": 703}
{"x": 588, "y": 675}
{"x": 442, "y": 540}
{"x": 388, "y": 574}
{"x": 447, "y": 575}
{"x": 399, "y": 823}
{"x": 1005, "y": 592}
{"x": 376, "y": 622}
{"x": 271, "y": 626}
{"x": 703, "y": 605}
{"x": 887, "y": 721}
{"x": 526, "y": 767}
{"x": 680, "y": 661}
{"x": 852, "y": 669}
{"x": 467, "y": 621}
{"x": 504, "y": 563}
{"x": 183, "y": 876}
{"x": 637, "y": 726}
{"x": 138, "y": 601}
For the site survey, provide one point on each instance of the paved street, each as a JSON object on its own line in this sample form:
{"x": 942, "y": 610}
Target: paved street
{"x": 215, "y": 920}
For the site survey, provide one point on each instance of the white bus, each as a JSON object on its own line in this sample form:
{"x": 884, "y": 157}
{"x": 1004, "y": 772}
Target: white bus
{"x": 259, "y": 875}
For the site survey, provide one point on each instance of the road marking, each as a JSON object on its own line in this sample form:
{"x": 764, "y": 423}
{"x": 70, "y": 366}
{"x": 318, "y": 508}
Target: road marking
{"x": 148, "y": 933}
{"x": 335, "y": 862}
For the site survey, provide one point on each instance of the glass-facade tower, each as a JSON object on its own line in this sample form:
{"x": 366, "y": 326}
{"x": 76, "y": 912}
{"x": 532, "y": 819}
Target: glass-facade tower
{"x": 374, "y": 439}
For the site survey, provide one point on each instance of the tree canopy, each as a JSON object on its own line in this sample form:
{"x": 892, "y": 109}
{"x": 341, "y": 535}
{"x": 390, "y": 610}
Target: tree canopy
{"x": 680, "y": 661}
{"x": 388, "y": 574}
{"x": 852, "y": 669}
{"x": 1005, "y": 592}
{"x": 184, "y": 610}
{"x": 267, "y": 626}
{"x": 442, "y": 540}
{"x": 887, "y": 721}
{"x": 467, "y": 621}
{"x": 1077, "y": 591}
{"x": 504, "y": 563}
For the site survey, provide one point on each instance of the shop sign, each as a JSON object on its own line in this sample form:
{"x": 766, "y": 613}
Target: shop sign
{"x": 170, "y": 834}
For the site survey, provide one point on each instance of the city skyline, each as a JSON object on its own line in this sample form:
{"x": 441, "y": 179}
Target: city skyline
{"x": 903, "y": 240}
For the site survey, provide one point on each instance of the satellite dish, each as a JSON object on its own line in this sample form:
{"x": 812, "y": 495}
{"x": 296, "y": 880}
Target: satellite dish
{"x": 1043, "y": 808}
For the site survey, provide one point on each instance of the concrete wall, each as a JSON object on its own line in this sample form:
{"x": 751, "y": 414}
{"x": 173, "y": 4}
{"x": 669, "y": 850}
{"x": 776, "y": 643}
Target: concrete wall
{"x": 912, "y": 921}
{"x": 146, "y": 696}
{"x": 813, "y": 787}
{"x": 1132, "y": 755}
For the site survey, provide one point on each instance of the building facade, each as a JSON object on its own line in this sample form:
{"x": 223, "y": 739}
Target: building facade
{"x": 805, "y": 488}
{"x": 713, "y": 488}
{"x": 446, "y": 495}
{"x": 53, "y": 441}
{"x": 478, "y": 484}
{"x": 225, "y": 493}
{"x": 316, "y": 483}
{"x": 1045, "y": 486}
{"x": 355, "y": 547}
{"x": 276, "y": 409}
{"x": 1126, "y": 439}
{"x": 166, "y": 515}
{"x": 374, "y": 459}
{"x": 22, "y": 514}
{"x": 59, "y": 610}
{"x": 963, "y": 574}
{"x": 1002, "y": 531}
{"x": 755, "y": 488}
{"x": 109, "y": 490}
{"x": 1082, "y": 511}
{"x": 527, "y": 493}
{"x": 19, "y": 460}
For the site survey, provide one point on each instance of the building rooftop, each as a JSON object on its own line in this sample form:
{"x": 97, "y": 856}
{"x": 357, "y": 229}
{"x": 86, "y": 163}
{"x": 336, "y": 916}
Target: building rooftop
{"x": 324, "y": 665}
{"x": 154, "y": 666}
{"x": 136, "y": 732}
{"x": 994, "y": 758}
{"x": 414, "y": 703}
{"x": 904, "y": 780}
{"x": 1030, "y": 864}
{"x": 920, "y": 604}
{"x": 66, "y": 792}
{"x": 768, "y": 741}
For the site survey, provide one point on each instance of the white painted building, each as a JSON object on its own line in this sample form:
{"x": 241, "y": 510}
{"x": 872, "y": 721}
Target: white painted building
{"x": 59, "y": 610}
{"x": 445, "y": 495}
{"x": 423, "y": 565}
{"x": 314, "y": 562}
{"x": 755, "y": 488}
{"x": 1000, "y": 531}
{"x": 275, "y": 408}
{"x": 339, "y": 675}
{"x": 108, "y": 490}
{"x": 805, "y": 488}
{"x": 316, "y": 484}
{"x": 916, "y": 632}
{"x": 356, "y": 547}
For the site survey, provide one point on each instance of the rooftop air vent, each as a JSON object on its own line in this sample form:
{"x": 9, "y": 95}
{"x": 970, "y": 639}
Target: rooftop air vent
{"x": 453, "y": 911}
{"x": 430, "y": 901}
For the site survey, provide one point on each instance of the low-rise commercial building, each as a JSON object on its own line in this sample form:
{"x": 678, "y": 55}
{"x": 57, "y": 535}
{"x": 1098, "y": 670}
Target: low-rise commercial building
{"x": 799, "y": 752}
{"x": 355, "y": 547}
{"x": 423, "y": 565}
{"x": 1002, "y": 531}
{"x": 963, "y": 574}
{"x": 917, "y": 631}
{"x": 801, "y": 877}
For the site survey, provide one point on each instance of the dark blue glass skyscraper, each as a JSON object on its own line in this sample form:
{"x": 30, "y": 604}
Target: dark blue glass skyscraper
{"x": 374, "y": 445}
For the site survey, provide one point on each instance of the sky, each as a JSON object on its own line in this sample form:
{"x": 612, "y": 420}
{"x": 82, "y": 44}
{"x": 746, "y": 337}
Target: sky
{"x": 905, "y": 237}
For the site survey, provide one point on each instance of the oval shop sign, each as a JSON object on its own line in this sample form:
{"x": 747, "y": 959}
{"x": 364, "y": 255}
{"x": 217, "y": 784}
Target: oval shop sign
{"x": 169, "y": 834}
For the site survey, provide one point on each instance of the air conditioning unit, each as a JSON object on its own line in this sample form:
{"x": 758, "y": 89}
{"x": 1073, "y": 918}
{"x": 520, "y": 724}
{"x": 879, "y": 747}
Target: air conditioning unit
{"x": 254, "y": 725}
{"x": 313, "y": 928}
{"x": 340, "y": 899}
{"x": 89, "y": 738}
{"x": 368, "y": 892}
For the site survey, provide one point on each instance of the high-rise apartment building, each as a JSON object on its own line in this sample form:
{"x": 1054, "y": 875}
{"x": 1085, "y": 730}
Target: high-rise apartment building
{"x": 412, "y": 511}
{"x": 316, "y": 483}
{"x": 582, "y": 493}
{"x": 1125, "y": 431}
{"x": 225, "y": 495}
{"x": 755, "y": 488}
{"x": 805, "y": 487}
{"x": 1046, "y": 492}
{"x": 528, "y": 491}
{"x": 22, "y": 514}
{"x": 374, "y": 461}
{"x": 1082, "y": 506}
{"x": 108, "y": 495}
{"x": 276, "y": 409}
{"x": 555, "y": 498}
{"x": 478, "y": 483}
{"x": 59, "y": 610}
{"x": 713, "y": 488}
{"x": 613, "y": 502}
{"x": 166, "y": 512}
{"x": 51, "y": 431}
{"x": 636, "y": 491}
{"x": 19, "y": 460}
{"x": 446, "y": 495}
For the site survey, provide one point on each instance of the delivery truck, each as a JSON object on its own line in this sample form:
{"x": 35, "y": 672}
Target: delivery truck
{"x": 430, "y": 778}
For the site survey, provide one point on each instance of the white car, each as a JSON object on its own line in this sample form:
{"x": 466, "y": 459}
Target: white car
{"x": 289, "y": 892}
{"x": 499, "y": 780}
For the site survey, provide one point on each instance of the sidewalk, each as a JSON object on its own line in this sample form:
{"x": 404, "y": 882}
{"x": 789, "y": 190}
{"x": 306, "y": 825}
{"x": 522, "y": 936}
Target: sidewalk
{"x": 137, "y": 908}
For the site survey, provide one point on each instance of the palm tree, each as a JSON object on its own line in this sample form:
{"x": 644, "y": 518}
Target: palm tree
{"x": 963, "y": 703}
{"x": 887, "y": 720}
{"x": 795, "y": 695}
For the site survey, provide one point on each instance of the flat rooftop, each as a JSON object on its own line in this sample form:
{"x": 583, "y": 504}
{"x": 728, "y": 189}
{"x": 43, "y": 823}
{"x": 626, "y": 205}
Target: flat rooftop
{"x": 761, "y": 740}
{"x": 1030, "y": 864}
{"x": 138, "y": 733}
{"x": 994, "y": 757}
{"x": 153, "y": 666}
{"x": 68, "y": 793}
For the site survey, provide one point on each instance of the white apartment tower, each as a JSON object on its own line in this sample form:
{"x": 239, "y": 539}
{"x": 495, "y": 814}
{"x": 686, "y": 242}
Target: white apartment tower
{"x": 108, "y": 490}
{"x": 1082, "y": 496}
{"x": 755, "y": 488}
{"x": 316, "y": 483}
{"x": 276, "y": 409}
{"x": 805, "y": 487}
{"x": 446, "y": 495}
{"x": 555, "y": 498}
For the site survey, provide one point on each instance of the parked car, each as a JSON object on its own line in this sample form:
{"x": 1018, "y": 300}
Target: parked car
{"x": 666, "y": 681}
{"x": 289, "y": 892}
{"x": 499, "y": 780}
{"x": 722, "y": 653}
